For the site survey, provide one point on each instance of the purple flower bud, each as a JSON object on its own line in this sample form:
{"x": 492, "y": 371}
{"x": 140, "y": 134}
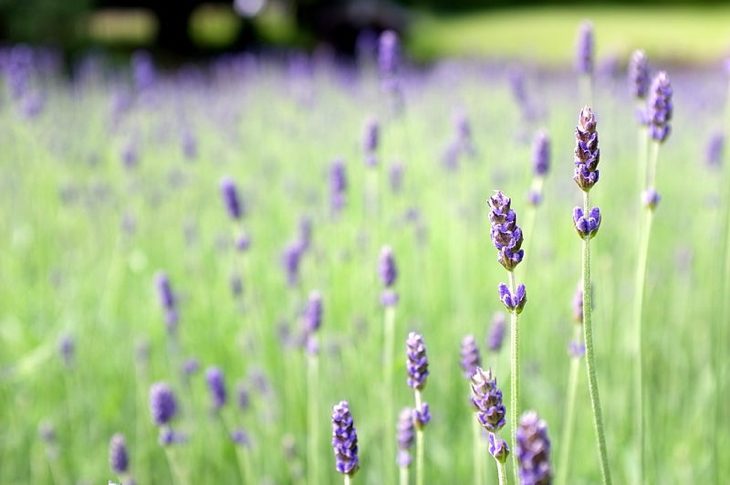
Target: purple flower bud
{"x": 587, "y": 154}
{"x": 587, "y": 225}
{"x": 506, "y": 234}
{"x": 167, "y": 436}
{"x": 338, "y": 185}
{"x": 534, "y": 197}
{"x": 715, "y": 149}
{"x": 370, "y": 141}
{"x": 243, "y": 243}
{"x": 650, "y": 198}
{"x": 118, "y": 456}
{"x": 496, "y": 332}
{"x": 388, "y": 53}
{"x": 313, "y": 313}
{"x": 576, "y": 349}
{"x": 240, "y": 437}
{"x": 498, "y": 448}
{"x": 389, "y": 298}
{"x": 243, "y": 397}
{"x": 191, "y": 366}
{"x": 386, "y": 267}
{"x": 486, "y": 398}
{"x": 470, "y": 357}
{"x": 660, "y": 107}
{"x": 541, "y": 154}
{"x": 584, "y": 48}
{"x": 405, "y": 435}
{"x": 229, "y": 193}
{"x": 216, "y": 386}
{"x": 344, "y": 439}
{"x": 533, "y": 450}
{"x": 167, "y": 299}
{"x": 143, "y": 70}
{"x": 417, "y": 361}
{"x": 291, "y": 259}
{"x": 639, "y": 74}
{"x": 422, "y": 416}
{"x": 163, "y": 405}
{"x": 513, "y": 303}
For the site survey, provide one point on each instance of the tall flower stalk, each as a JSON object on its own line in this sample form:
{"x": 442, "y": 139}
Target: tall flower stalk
{"x": 658, "y": 114}
{"x": 507, "y": 238}
{"x": 576, "y": 351}
{"x": 311, "y": 321}
{"x": 417, "y": 368}
{"x": 388, "y": 273}
{"x": 344, "y": 441}
{"x": 405, "y": 435}
{"x": 490, "y": 413}
{"x": 471, "y": 361}
{"x": 584, "y": 59}
{"x": 587, "y": 221}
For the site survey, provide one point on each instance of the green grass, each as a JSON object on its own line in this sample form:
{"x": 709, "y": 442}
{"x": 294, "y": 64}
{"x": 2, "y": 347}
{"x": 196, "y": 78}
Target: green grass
{"x": 547, "y": 35}
{"x": 66, "y": 266}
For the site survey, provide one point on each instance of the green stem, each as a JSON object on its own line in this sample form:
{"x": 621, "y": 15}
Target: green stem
{"x": 642, "y": 158}
{"x": 588, "y": 338}
{"x": 514, "y": 377}
{"x": 388, "y": 349}
{"x": 501, "y": 473}
{"x": 178, "y": 474}
{"x": 313, "y": 412}
{"x": 403, "y": 475}
{"x": 419, "y": 443}
{"x": 569, "y": 423}
{"x": 348, "y": 480}
{"x": 477, "y": 451}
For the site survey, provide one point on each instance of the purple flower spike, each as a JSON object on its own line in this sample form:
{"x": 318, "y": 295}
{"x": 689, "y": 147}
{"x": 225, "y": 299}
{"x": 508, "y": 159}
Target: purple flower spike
{"x": 513, "y": 303}
{"x": 405, "y": 435}
{"x": 387, "y": 268}
{"x": 422, "y": 416}
{"x": 240, "y": 437}
{"x": 506, "y": 234}
{"x": 291, "y": 259}
{"x": 217, "y": 387}
{"x": 118, "y": 456}
{"x": 229, "y": 193}
{"x": 715, "y": 149}
{"x": 486, "y": 398}
{"x": 650, "y": 198}
{"x": 388, "y": 53}
{"x": 496, "y": 332}
{"x": 576, "y": 349}
{"x": 344, "y": 439}
{"x": 167, "y": 299}
{"x": 338, "y": 185}
{"x": 417, "y": 361}
{"x": 370, "y": 141}
{"x": 584, "y": 48}
{"x": 313, "y": 313}
{"x": 534, "y": 197}
{"x": 498, "y": 448}
{"x": 533, "y": 450}
{"x": 163, "y": 405}
{"x": 639, "y": 75}
{"x": 660, "y": 107}
{"x": 541, "y": 154}
{"x": 587, "y": 225}
{"x": 389, "y": 298}
{"x": 587, "y": 154}
{"x": 470, "y": 357}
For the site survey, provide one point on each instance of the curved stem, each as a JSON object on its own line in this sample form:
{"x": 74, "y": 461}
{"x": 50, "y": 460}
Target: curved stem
{"x": 588, "y": 339}
{"x": 569, "y": 423}
{"x": 514, "y": 377}
{"x": 501, "y": 473}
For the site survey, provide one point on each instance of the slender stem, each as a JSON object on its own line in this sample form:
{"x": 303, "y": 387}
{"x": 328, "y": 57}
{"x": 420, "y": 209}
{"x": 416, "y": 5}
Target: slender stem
{"x": 388, "y": 349}
{"x": 514, "y": 377}
{"x": 348, "y": 480}
{"x": 588, "y": 338}
{"x": 403, "y": 475}
{"x": 419, "y": 443}
{"x": 501, "y": 473}
{"x": 569, "y": 423}
{"x": 477, "y": 452}
{"x": 178, "y": 474}
{"x": 642, "y": 158}
{"x": 313, "y": 418}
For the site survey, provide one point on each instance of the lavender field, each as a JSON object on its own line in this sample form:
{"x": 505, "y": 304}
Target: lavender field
{"x": 199, "y": 264}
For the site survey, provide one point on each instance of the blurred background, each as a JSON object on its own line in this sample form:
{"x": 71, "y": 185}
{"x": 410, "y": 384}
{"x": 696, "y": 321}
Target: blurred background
{"x": 678, "y": 31}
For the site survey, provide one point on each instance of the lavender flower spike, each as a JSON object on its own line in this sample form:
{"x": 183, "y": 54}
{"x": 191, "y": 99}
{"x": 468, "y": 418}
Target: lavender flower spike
{"x": 118, "y": 456}
{"x": 344, "y": 439}
{"x": 163, "y": 405}
{"x": 506, "y": 234}
{"x": 513, "y": 303}
{"x": 650, "y": 197}
{"x": 470, "y": 357}
{"x": 587, "y": 224}
{"x": 370, "y": 141}
{"x": 338, "y": 185}
{"x": 533, "y": 450}
{"x": 639, "y": 74}
{"x": 498, "y": 448}
{"x": 487, "y": 400}
{"x": 584, "y": 49}
{"x": 387, "y": 268}
{"x": 541, "y": 154}
{"x": 388, "y": 53}
{"x": 587, "y": 154}
{"x": 216, "y": 386}
{"x": 313, "y": 313}
{"x": 660, "y": 107}
{"x": 496, "y": 332}
{"x": 167, "y": 299}
{"x": 405, "y": 435}
{"x": 417, "y": 362}
{"x": 229, "y": 193}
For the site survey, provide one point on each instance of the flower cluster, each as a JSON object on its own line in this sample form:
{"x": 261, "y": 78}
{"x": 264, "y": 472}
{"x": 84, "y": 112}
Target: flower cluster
{"x": 217, "y": 387}
{"x": 514, "y": 303}
{"x": 405, "y": 435}
{"x": 660, "y": 107}
{"x": 417, "y": 361}
{"x": 388, "y": 272}
{"x": 587, "y": 153}
{"x": 506, "y": 234}
{"x": 344, "y": 439}
{"x": 487, "y": 400}
{"x": 587, "y": 224}
{"x": 470, "y": 357}
{"x": 533, "y": 450}
{"x": 639, "y": 74}
{"x": 584, "y": 49}
{"x": 167, "y": 299}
